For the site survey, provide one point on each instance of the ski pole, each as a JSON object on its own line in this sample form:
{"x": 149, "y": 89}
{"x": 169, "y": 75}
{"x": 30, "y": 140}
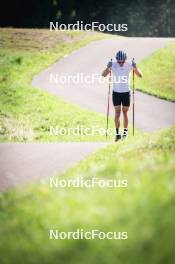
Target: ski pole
{"x": 133, "y": 100}
{"x": 107, "y": 120}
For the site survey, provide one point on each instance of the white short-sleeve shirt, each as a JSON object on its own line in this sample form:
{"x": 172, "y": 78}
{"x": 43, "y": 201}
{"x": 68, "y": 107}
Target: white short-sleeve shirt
{"x": 121, "y": 77}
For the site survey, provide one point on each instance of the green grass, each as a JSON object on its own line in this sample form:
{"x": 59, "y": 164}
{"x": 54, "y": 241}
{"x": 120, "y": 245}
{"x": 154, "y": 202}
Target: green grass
{"x": 26, "y": 113}
{"x": 158, "y": 73}
{"x": 145, "y": 209}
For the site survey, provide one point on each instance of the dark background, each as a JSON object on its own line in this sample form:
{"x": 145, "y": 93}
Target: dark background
{"x": 144, "y": 17}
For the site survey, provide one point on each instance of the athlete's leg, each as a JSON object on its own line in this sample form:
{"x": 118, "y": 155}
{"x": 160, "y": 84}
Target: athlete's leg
{"x": 117, "y": 122}
{"x": 125, "y": 116}
{"x": 125, "y": 108}
{"x": 117, "y": 106}
{"x": 117, "y": 116}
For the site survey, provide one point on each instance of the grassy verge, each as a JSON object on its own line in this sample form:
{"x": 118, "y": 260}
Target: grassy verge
{"x": 158, "y": 71}
{"x": 145, "y": 209}
{"x": 26, "y": 113}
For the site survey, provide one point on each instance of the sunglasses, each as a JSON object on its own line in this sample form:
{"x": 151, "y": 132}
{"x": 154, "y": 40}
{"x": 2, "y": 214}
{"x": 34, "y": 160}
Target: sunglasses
{"x": 120, "y": 61}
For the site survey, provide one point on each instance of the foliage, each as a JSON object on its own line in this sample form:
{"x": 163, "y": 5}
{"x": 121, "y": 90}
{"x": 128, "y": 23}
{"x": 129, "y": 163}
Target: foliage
{"x": 144, "y": 17}
{"x": 145, "y": 209}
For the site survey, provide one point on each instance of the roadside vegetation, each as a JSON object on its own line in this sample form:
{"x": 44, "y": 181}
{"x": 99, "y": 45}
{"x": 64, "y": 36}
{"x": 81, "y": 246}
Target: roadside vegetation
{"x": 27, "y": 113}
{"x": 145, "y": 209}
{"x": 158, "y": 71}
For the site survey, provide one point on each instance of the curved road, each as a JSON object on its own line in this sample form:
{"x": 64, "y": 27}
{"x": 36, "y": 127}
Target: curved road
{"x": 151, "y": 113}
{"x": 37, "y": 161}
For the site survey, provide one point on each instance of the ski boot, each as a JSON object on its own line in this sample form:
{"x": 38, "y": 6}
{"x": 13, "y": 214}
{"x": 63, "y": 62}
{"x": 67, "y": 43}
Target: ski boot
{"x": 125, "y": 133}
{"x": 118, "y": 137}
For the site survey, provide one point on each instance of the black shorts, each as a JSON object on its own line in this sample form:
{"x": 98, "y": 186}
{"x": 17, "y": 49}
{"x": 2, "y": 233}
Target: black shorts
{"x": 121, "y": 98}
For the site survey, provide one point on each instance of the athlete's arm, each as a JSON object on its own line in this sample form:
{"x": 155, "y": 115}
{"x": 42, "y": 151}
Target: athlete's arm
{"x": 138, "y": 72}
{"x": 106, "y": 72}
{"x": 108, "y": 69}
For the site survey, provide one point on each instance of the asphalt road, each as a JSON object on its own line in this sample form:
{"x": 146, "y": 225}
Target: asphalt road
{"x": 21, "y": 163}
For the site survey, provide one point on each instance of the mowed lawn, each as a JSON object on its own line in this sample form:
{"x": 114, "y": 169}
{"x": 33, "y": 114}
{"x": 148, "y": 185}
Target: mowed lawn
{"x": 158, "y": 73}
{"x": 144, "y": 209}
{"x": 27, "y": 113}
